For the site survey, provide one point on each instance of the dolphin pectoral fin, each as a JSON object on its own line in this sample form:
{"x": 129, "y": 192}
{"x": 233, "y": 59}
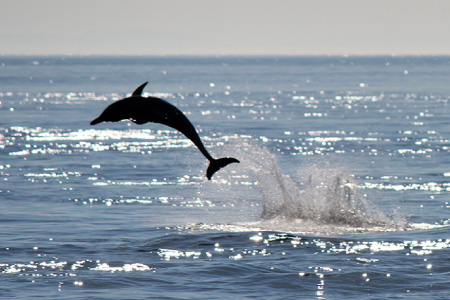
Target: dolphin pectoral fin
{"x": 216, "y": 164}
{"x": 138, "y": 91}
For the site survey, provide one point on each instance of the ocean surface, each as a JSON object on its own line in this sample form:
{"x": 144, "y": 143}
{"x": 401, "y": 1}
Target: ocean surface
{"x": 342, "y": 191}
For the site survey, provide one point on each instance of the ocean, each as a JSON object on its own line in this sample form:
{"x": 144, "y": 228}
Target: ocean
{"x": 342, "y": 190}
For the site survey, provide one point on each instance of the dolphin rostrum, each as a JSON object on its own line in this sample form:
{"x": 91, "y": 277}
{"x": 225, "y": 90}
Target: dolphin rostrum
{"x": 141, "y": 110}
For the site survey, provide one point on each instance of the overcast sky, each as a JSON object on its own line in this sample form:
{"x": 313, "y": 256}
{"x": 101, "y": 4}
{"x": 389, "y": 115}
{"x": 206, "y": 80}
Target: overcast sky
{"x": 191, "y": 27}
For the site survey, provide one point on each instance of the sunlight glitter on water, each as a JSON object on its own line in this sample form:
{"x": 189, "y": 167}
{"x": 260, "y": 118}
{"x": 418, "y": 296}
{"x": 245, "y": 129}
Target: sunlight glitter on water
{"x": 231, "y": 253}
{"x": 410, "y": 247}
{"x": 57, "y": 97}
{"x": 428, "y": 186}
{"x": 66, "y": 269}
{"x": 168, "y": 254}
{"x": 105, "y": 267}
{"x": 42, "y": 134}
{"x": 161, "y": 200}
{"x": 128, "y": 141}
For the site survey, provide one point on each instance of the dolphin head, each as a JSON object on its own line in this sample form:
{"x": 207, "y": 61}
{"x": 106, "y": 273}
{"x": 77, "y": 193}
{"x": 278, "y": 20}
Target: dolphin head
{"x": 113, "y": 113}
{"x": 120, "y": 110}
{"x": 97, "y": 120}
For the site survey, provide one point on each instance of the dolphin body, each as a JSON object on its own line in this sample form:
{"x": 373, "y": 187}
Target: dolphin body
{"x": 141, "y": 110}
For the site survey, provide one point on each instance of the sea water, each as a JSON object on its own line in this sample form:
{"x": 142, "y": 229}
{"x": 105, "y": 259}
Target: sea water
{"x": 342, "y": 188}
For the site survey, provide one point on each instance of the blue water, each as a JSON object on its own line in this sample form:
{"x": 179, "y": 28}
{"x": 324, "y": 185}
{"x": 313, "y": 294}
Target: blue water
{"x": 342, "y": 190}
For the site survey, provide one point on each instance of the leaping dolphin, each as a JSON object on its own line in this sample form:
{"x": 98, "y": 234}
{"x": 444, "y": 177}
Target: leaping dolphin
{"x": 141, "y": 110}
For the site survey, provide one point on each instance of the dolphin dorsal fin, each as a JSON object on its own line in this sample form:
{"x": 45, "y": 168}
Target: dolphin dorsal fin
{"x": 139, "y": 90}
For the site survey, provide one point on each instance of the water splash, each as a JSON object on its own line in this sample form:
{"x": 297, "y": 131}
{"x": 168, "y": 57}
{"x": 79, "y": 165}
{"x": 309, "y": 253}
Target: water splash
{"x": 320, "y": 194}
{"x": 328, "y": 196}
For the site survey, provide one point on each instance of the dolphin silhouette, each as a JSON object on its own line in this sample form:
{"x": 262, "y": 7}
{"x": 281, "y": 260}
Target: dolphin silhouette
{"x": 141, "y": 110}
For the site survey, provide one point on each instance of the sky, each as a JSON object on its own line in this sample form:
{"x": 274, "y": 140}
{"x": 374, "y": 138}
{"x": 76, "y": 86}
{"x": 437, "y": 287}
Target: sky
{"x": 226, "y": 27}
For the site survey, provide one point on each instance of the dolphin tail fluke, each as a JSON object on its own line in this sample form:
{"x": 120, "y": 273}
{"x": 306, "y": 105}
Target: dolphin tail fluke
{"x": 217, "y": 164}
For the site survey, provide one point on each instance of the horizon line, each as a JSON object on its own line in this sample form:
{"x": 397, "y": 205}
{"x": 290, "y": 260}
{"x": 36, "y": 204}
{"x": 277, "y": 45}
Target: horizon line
{"x": 227, "y": 54}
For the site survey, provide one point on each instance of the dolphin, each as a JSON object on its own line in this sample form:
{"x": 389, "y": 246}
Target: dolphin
{"x": 141, "y": 110}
